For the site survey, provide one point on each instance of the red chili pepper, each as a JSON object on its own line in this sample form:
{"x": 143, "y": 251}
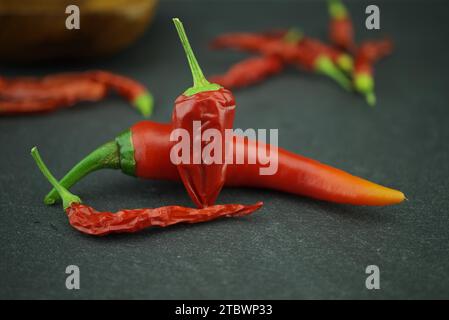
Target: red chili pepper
{"x": 363, "y": 76}
{"x": 341, "y": 31}
{"x": 249, "y": 71}
{"x": 213, "y": 107}
{"x": 144, "y": 151}
{"x": 17, "y": 98}
{"x": 23, "y": 95}
{"x": 305, "y": 57}
{"x": 90, "y": 221}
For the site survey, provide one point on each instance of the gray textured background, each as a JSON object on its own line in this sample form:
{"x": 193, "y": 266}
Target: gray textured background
{"x": 292, "y": 248}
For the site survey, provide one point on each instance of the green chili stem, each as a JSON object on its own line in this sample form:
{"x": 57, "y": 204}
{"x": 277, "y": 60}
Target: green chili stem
{"x": 293, "y": 35}
{"x": 200, "y": 82}
{"x": 325, "y": 66}
{"x": 106, "y": 156}
{"x": 68, "y": 198}
{"x": 337, "y": 9}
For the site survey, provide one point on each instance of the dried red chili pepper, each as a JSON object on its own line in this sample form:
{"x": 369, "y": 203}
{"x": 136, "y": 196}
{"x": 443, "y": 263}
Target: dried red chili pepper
{"x": 306, "y": 57}
{"x": 249, "y": 71}
{"x": 24, "y": 95}
{"x": 90, "y": 221}
{"x": 213, "y": 107}
{"x": 17, "y": 98}
{"x": 343, "y": 60}
{"x": 144, "y": 151}
{"x": 341, "y": 31}
{"x": 363, "y": 76}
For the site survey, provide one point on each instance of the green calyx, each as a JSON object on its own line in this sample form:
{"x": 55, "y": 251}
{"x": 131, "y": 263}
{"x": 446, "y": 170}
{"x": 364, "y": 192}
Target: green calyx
{"x": 68, "y": 198}
{"x": 293, "y": 35}
{"x": 144, "y": 103}
{"x": 325, "y": 66}
{"x": 337, "y": 9}
{"x": 200, "y": 83}
{"x": 364, "y": 83}
{"x": 345, "y": 62}
{"x": 126, "y": 150}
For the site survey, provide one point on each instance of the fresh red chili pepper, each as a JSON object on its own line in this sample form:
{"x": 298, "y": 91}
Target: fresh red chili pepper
{"x": 144, "y": 151}
{"x": 213, "y": 107}
{"x": 249, "y": 71}
{"x": 306, "y": 57}
{"x": 341, "y": 31}
{"x": 363, "y": 76}
{"x": 90, "y": 221}
{"x": 23, "y": 95}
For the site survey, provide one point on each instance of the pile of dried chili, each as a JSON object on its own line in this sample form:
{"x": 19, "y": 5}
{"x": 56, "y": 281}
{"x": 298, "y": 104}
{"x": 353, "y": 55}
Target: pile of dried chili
{"x": 25, "y": 95}
{"x": 342, "y": 60}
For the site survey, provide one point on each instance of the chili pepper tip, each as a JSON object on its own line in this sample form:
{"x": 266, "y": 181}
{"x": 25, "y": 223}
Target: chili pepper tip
{"x": 337, "y": 9}
{"x": 345, "y": 62}
{"x": 144, "y": 103}
{"x": 371, "y": 99}
{"x": 325, "y": 66}
{"x": 68, "y": 198}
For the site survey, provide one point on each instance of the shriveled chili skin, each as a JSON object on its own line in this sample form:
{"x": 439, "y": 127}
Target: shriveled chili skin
{"x": 296, "y": 174}
{"x": 249, "y": 71}
{"x": 126, "y": 87}
{"x": 30, "y": 97}
{"x": 90, "y": 221}
{"x": 214, "y": 110}
{"x": 29, "y": 94}
{"x": 341, "y": 33}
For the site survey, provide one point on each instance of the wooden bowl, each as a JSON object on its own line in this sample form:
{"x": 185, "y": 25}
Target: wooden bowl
{"x": 34, "y": 30}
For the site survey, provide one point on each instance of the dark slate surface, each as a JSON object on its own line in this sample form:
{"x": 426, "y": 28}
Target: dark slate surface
{"x": 294, "y": 247}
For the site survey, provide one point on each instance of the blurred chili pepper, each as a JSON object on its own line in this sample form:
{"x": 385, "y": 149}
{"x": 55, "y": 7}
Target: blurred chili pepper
{"x": 26, "y": 95}
{"x": 144, "y": 151}
{"x": 90, "y": 221}
{"x": 343, "y": 60}
{"x": 249, "y": 71}
{"x": 367, "y": 54}
{"x": 310, "y": 58}
{"x": 341, "y": 31}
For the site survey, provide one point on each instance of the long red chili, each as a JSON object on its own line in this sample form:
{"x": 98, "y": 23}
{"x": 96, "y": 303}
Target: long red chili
{"x": 341, "y": 30}
{"x": 367, "y": 54}
{"x": 90, "y": 221}
{"x": 24, "y": 95}
{"x": 144, "y": 151}
{"x": 211, "y": 107}
{"x": 249, "y": 71}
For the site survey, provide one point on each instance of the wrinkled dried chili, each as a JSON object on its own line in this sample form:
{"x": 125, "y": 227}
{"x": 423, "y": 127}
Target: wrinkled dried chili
{"x": 249, "y": 71}
{"x": 90, "y": 221}
{"x": 310, "y": 58}
{"x": 29, "y": 95}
